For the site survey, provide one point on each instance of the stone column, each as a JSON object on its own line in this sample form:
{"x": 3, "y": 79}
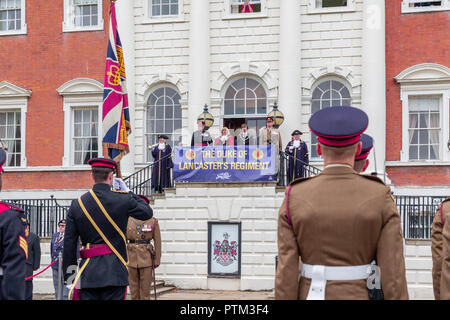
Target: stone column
{"x": 374, "y": 79}
{"x": 199, "y": 65}
{"x": 289, "y": 94}
{"x": 125, "y": 25}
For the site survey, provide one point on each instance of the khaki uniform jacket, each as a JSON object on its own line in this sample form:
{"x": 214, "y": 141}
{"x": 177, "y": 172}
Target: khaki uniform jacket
{"x": 441, "y": 265}
{"x": 139, "y": 254}
{"x": 273, "y": 135}
{"x": 340, "y": 218}
{"x": 436, "y": 250}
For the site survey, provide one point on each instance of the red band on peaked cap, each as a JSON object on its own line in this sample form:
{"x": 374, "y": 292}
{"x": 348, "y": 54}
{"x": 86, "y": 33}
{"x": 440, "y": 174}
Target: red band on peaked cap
{"x": 364, "y": 154}
{"x": 101, "y": 164}
{"x": 105, "y": 163}
{"x": 338, "y": 142}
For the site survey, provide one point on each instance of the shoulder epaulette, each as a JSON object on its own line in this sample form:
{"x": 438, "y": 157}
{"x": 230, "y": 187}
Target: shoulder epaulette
{"x": 6, "y": 206}
{"x": 119, "y": 191}
{"x": 373, "y": 178}
{"x": 299, "y": 180}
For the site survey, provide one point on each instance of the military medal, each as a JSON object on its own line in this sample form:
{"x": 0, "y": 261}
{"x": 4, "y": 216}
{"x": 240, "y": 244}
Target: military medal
{"x": 146, "y": 228}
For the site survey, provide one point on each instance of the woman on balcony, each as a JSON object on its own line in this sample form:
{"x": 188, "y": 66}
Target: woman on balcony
{"x": 225, "y": 139}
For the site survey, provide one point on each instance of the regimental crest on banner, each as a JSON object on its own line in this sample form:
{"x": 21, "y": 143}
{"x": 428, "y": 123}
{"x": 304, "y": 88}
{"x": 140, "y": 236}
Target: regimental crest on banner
{"x": 225, "y": 253}
{"x": 190, "y": 154}
{"x": 258, "y": 154}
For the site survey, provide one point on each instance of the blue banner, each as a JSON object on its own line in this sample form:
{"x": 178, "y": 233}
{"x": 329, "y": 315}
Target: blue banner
{"x": 224, "y": 164}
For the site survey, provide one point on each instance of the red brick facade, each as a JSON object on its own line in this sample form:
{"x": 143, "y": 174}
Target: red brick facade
{"x": 411, "y": 39}
{"x": 41, "y": 61}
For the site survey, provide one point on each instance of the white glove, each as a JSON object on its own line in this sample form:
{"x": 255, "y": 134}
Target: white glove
{"x": 118, "y": 184}
{"x": 69, "y": 286}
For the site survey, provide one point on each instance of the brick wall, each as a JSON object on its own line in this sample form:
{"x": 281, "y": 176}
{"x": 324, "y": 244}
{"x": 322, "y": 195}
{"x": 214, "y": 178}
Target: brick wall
{"x": 47, "y": 180}
{"x": 423, "y": 176}
{"x": 41, "y": 61}
{"x": 411, "y": 39}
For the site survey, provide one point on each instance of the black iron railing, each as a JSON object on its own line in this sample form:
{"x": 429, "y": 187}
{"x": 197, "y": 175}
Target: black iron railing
{"x": 417, "y": 213}
{"x": 140, "y": 182}
{"x": 283, "y": 179}
{"x": 43, "y": 214}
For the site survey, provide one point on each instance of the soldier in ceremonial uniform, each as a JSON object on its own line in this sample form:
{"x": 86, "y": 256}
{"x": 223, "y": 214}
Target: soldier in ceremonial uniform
{"x": 13, "y": 247}
{"x": 338, "y": 222}
{"x": 361, "y": 161}
{"x": 201, "y": 137}
{"x": 440, "y": 251}
{"x": 99, "y": 218}
{"x": 297, "y": 150}
{"x": 161, "y": 153}
{"x": 143, "y": 257}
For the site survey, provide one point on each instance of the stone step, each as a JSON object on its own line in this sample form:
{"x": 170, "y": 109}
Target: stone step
{"x": 162, "y": 290}
{"x": 43, "y": 286}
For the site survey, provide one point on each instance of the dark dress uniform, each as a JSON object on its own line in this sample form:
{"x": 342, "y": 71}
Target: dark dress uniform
{"x": 13, "y": 252}
{"x": 338, "y": 222}
{"x": 104, "y": 276}
{"x": 33, "y": 262}
{"x": 161, "y": 169}
{"x": 13, "y": 248}
{"x": 297, "y": 157}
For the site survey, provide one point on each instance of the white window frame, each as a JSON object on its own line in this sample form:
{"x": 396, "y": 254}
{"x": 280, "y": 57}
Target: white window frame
{"x": 23, "y": 27}
{"x": 15, "y": 98}
{"x": 227, "y": 15}
{"x": 147, "y": 158}
{"x": 318, "y": 82}
{"x": 244, "y": 115}
{"x": 79, "y": 93}
{"x": 312, "y": 9}
{"x": 445, "y": 5}
{"x": 147, "y": 18}
{"x": 20, "y": 106}
{"x": 72, "y": 106}
{"x": 444, "y": 94}
{"x": 68, "y": 23}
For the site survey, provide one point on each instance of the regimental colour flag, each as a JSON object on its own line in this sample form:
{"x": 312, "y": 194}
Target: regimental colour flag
{"x": 115, "y": 111}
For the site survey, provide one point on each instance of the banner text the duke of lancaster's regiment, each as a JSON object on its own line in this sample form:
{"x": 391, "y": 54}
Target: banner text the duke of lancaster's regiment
{"x": 224, "y": 164}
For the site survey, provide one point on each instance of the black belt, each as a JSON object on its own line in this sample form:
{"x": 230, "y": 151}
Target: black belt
{"x": 139, "y": 241}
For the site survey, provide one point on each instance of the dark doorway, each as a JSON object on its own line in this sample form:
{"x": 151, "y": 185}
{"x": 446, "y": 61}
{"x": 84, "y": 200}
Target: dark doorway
{"x": 254, "y": 124}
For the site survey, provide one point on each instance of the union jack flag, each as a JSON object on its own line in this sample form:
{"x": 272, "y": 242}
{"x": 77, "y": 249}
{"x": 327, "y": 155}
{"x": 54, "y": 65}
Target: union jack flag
{"x": 116, "y": 114}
